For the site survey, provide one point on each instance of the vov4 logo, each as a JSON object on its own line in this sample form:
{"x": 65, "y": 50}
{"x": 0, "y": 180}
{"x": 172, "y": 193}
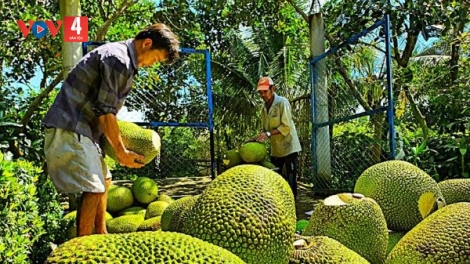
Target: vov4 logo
{"x": 75, "y": 28}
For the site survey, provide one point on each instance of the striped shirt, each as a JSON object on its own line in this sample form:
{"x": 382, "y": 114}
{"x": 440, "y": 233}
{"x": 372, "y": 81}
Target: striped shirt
{"x": 97, "y": 85}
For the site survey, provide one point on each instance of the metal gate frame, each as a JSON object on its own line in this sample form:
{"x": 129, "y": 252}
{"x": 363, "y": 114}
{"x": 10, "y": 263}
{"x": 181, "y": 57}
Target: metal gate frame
{"x": 385, "y": 23}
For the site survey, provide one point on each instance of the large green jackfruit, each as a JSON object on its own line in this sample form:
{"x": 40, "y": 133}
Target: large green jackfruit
{"x": 443, "y": 237}
{"x": 145, "y": 190}
{"x": 141, "y": 247}
{"x": 253, "y": 152}
{"x": 177, "y": 212}
{"x": 405, "y": 193}
{"x": 353, "y": 220}
{"x": 249, "y": 210}
{"x": 323, "y": 250}
{"x": 455, "y": 190}
{"x": 143, "y": 141}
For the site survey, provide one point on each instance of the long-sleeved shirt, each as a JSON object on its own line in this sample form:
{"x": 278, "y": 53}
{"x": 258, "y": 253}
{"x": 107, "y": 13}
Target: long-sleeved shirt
{"x": 280, "y": 117}
{"x": 97, "y": 85}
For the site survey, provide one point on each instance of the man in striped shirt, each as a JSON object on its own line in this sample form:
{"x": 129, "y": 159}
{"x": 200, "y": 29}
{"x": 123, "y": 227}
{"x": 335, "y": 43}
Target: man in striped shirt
{"x": 85, "y": 110}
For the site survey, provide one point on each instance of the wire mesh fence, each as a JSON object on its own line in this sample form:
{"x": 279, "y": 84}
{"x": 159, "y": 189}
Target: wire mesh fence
{"x": 350, "y": 110}
{"x": 185, "y": 152}
{"x": 174, "y": 102}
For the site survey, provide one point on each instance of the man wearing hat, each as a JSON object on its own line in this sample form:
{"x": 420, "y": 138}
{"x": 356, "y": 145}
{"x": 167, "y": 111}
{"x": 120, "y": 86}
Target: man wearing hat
{"x": 279, "y": 128}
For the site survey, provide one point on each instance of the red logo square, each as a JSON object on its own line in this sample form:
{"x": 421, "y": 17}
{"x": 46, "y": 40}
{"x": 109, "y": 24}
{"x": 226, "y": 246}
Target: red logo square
{"x": 75, "y": 29}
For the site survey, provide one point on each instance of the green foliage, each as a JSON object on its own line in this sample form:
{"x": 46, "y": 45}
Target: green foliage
{"x": 22, "y": 225}
{"x": 14, "y": 102}
{"x": 181, "y": 149}
{"x": 443, "y": 156}
{"x": 51, "y": 213}
{"x": 351, "y": 152}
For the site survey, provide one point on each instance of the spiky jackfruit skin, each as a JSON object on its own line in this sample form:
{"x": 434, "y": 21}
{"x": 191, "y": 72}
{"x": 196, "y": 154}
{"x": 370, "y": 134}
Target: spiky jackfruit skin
{"x": 151, "y": 224}
{"x": 145, "y": 190}
{"x": 324, "y": 250}
{"x": 442, "y": 237}
{"x": 249, "y": 210}
{"x": 177, "y": 212}
{"x": 141, "y": 247}
{"x": 357, "y": 222}
{"x": 124, "y": 223}
{"x": 253, "y": 152}
{"x": 455, "y": 190}
{"x": 397, "y": 187}
{"x": 119, "y": 198}
{"x": 232, "y": 158}
{"x": 145, "y": 142}
{"x": 393, "y": 238}
{"x": 156, "y": 209}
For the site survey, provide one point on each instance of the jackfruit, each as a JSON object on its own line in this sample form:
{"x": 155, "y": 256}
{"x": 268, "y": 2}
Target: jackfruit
{"x": 443, "y": 237}
{"x": 323, "y": 250}
{"x": 232, "y": 158}
{"x": 110, "y": 163}
{"x": 145, "y": 142}
{"x": 253, "y": 152}
{"x": 405, "y": 193}
{"x": 133, "y": 210}
{"x": 124, "y": 223}
{"x": 156, "y": 209}
{"x": 145, "y": 190}
{"x": 455, "y": 190}
{"x": 177, "y": 212}
{"x": 353, "y": 220}
{"x": 141, "y": 247}
{"x": 165, "y": 198}
{"x": 119, "y": 198}
{"x": 249, "y": 210}
{"x": 150, "y": 224}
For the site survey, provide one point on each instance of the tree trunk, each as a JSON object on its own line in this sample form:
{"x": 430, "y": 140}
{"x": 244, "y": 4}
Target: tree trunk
{"x": 416, "y": 112}
{"x": 317, "y": 47}
{"x": 455, "y": 52}
{"x": 71, "y": 55}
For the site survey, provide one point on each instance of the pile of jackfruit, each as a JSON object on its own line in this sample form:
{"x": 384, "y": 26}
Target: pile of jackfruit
{"x": 248, "y": 153}
{"x": 138, "y": 207}
{"x": 396, "y": 214}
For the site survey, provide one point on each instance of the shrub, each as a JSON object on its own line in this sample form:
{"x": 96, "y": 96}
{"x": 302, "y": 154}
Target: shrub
{"x": 21, "y": 224}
